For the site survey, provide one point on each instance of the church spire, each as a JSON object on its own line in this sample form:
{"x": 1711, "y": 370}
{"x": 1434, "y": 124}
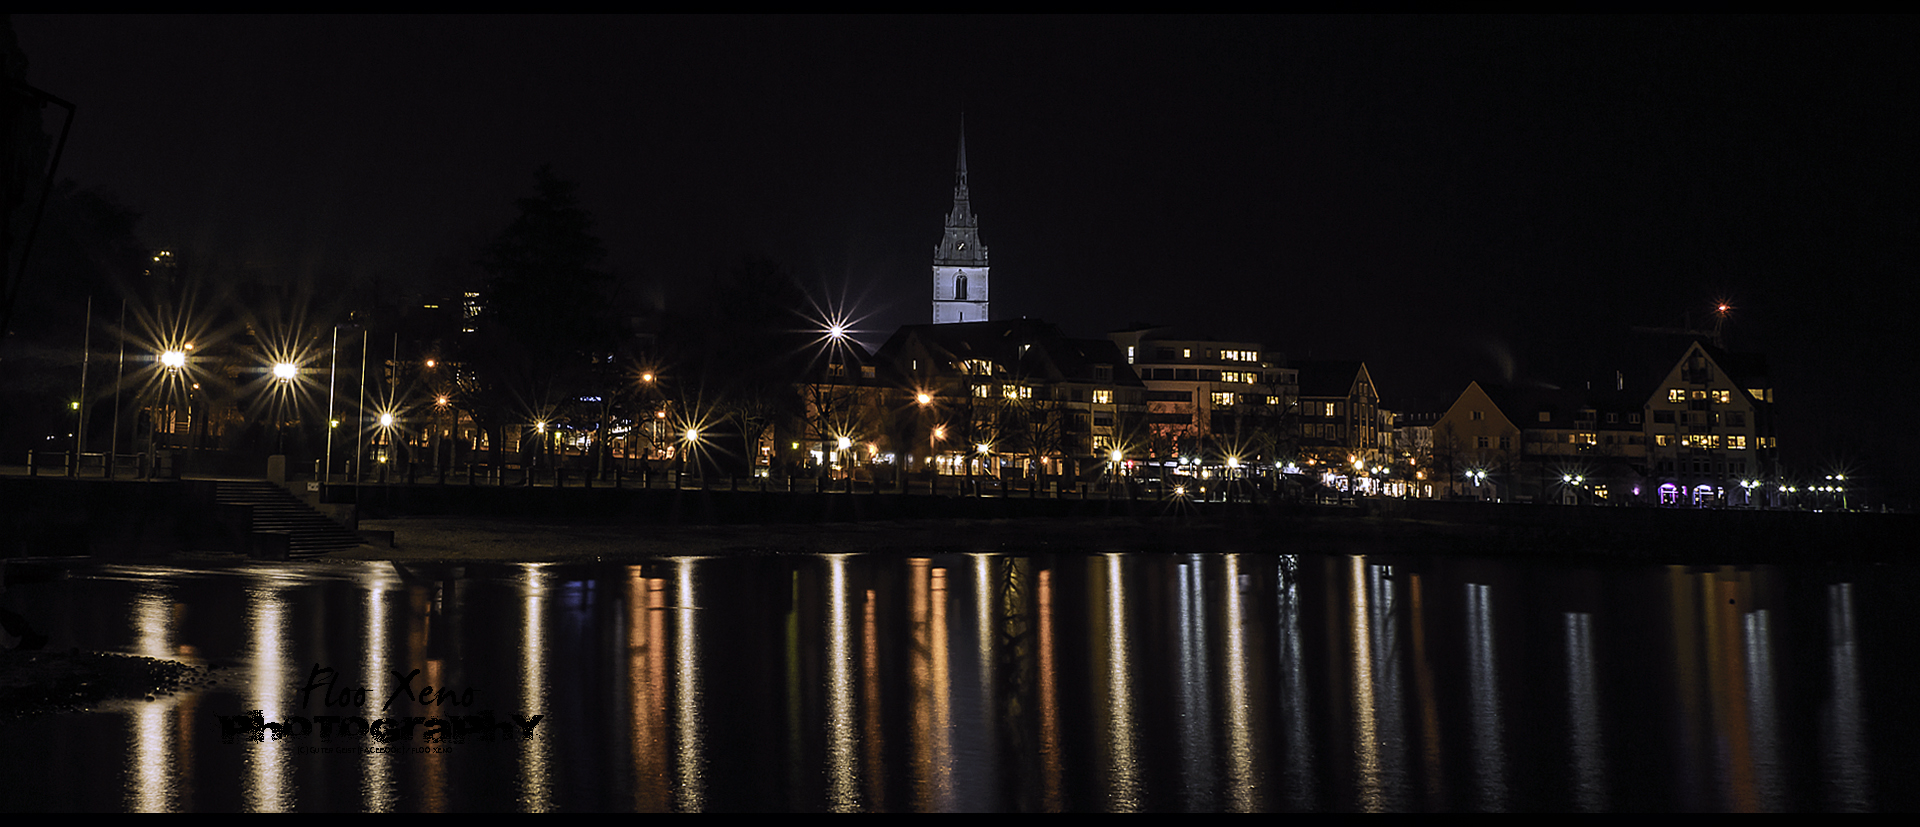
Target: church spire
{"x": 960, "y": 260}
{"x": 960, "y": 168}
{"x": 961, "y": 246}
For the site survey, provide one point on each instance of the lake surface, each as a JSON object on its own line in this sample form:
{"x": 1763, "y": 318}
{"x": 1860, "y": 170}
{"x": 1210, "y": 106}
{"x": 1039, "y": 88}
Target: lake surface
{"x": 1388, "y": 680}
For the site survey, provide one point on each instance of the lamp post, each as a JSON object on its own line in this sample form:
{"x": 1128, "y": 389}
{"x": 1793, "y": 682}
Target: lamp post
{"x": 283, "y": 376}
{"x": 333, "y": 369}
{"x": 925, "y": 401}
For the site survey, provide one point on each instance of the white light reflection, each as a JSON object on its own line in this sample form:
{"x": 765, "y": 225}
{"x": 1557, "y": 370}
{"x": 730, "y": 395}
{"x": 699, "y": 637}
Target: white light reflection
{"x": 689, "y": 769}
{"x": 1583, "y": 714}
{"x": 1377, "y": 736}
{"x": 1301, "y": 783}
{"x": 536, "y": 784}
{"x": 151, "y": 763}
{"x": 1843, "y": 726}
{"x": 1123, "y": 749}
{"x": 378, "y": 787}
{"x": 1243, "y": 789}
{"x": 843, "y": 732}
{"x": 1483, "y": 686}
{"x": 1197, "y": 760}
{"x": 1763, "y": 713}
{"x": 265, "y": 786}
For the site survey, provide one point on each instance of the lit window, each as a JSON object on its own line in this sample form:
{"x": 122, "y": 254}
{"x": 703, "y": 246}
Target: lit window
{"x": 1663, "y": 440}
{"x": 1737, "y": 442}
{"x": 1186, "y": 353}
{"x": 1722, "y": 397}
{"x": 1223, "y": 400}
{"x": 1103, "y": 397}
{"x": 979, "y": 390}
{"x": 1699, "y": 394}
{"x": 1676, "y": 395}
{"x": 1273, "y": 400}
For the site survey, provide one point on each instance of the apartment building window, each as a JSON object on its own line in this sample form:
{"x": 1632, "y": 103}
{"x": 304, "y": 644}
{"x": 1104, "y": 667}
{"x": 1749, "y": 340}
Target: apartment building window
{"x": 1102, "y": 373}
{"x": 1103, "y": 397}
{"x": 1676, "y": 395}
{"x": 1222, "y": 399}
{"x": 1737, "y": 442}
{"x": 1722, "y": 397}
{"x": 1663, "y": 417}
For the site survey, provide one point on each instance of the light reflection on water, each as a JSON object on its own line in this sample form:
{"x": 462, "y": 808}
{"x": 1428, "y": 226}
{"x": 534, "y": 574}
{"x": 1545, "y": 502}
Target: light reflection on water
{"x": 1112, "y": 681}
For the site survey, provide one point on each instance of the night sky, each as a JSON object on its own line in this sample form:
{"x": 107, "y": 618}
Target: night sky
{"x": 1451, "y": 199}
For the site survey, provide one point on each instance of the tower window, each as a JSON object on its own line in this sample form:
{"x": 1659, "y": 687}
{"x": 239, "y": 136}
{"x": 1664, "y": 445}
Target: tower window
{"x": 960, "y": 288}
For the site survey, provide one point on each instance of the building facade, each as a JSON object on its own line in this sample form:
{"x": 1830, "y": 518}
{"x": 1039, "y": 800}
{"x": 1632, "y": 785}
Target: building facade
{"x": 1210, "y": 400}
{"x": 1710, "y": 430}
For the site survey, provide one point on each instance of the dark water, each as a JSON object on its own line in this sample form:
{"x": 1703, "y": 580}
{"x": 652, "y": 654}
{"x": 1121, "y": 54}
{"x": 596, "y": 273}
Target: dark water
{"x": 985, "y": 682}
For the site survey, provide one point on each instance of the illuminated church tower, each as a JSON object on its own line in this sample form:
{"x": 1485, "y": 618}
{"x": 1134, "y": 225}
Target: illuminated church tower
{"x": 960, "y": 261}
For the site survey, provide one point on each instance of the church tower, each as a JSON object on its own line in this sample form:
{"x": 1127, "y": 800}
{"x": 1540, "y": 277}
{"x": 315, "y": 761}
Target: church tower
{"x": 960, "y": 261}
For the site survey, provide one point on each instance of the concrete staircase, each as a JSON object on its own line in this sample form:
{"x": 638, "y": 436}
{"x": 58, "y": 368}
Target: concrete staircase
{"x": 275, "y": 510}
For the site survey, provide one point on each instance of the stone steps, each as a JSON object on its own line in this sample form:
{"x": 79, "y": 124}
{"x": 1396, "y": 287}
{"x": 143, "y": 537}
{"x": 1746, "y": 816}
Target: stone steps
{"x": 310, "y": 534}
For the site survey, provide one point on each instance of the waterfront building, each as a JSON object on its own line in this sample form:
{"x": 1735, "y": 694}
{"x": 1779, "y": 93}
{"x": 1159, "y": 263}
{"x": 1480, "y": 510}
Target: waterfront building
{"x": 1208, "y": 400}
{"x": 1011, "y": 398}
{"x": 1339, "y": 416}
{"x": 1709, "y": 428}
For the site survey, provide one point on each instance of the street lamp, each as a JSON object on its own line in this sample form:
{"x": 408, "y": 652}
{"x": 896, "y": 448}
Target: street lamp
{"x": 283, "y": 376}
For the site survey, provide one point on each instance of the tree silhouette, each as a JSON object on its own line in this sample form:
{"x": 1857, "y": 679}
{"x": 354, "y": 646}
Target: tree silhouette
{"x": 547, "y": 327}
